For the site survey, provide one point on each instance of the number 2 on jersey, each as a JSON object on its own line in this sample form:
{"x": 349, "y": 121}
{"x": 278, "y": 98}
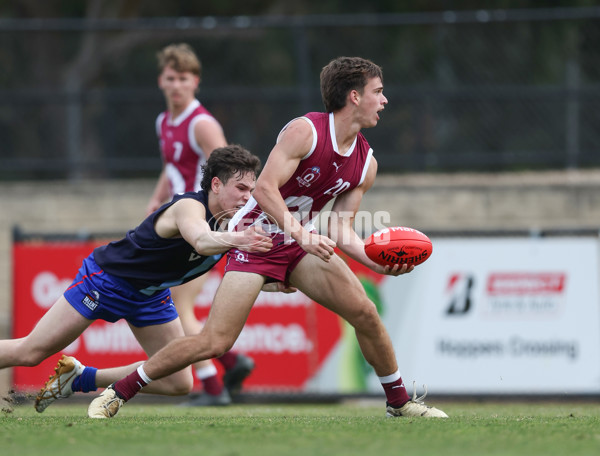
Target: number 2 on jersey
{"x": 338, "y": 188}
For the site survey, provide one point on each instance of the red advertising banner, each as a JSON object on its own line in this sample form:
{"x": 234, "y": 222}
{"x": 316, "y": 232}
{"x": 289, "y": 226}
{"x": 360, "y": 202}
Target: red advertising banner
{"x": 288, "y": 335}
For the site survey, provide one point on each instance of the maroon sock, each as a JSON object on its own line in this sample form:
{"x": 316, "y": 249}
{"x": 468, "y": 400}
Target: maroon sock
{"x": 228, "y": 360}
{"x": 129, "y": 386}
{"x": 212, "y": 385}
{"x": 395, "y": 393}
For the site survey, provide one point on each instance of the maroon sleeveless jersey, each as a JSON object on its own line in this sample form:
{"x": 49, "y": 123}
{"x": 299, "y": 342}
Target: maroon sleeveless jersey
{"x": 321, "y": 175}
{"x": 181, "y": 154}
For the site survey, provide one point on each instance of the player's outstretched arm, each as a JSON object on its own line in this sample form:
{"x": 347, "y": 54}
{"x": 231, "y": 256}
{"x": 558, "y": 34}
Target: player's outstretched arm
{"x": 341, "y": 226}
{"x": 187, "y": 218}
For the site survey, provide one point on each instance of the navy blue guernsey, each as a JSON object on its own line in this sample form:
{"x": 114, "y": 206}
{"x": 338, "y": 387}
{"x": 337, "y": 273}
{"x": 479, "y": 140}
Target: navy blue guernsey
{"x": 151, "y": 263}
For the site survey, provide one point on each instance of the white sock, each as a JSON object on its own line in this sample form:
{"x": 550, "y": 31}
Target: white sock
{"x": 390, "y": 378}
{"x": 142, "y": 374}
{"x": 205, "y": 372}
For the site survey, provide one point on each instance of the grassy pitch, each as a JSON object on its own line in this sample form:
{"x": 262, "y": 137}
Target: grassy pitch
{"x": 474, "y": 428}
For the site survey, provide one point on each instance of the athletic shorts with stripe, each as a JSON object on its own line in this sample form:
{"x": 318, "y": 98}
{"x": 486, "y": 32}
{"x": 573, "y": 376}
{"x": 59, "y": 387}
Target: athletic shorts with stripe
{"x": 98, "y": 295}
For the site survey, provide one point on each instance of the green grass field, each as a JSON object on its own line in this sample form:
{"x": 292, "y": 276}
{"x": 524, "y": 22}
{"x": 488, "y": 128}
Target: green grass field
{"x": 475, "y": 428}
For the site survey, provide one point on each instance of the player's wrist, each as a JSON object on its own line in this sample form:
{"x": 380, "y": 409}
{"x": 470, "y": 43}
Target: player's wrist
{"x": 301, "y": 236}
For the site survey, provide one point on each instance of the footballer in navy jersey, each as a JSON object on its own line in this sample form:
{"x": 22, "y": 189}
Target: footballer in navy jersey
{"x": 129, "y": 279}
{"x": 151, "y": 263}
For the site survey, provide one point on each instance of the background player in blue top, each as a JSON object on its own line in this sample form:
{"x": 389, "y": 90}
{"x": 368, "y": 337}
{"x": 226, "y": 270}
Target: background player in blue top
{"x": 130, "y": 279}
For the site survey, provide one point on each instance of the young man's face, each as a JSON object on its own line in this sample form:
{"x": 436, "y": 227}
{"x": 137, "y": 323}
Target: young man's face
{"x": 233, "y": 195}
{"x": 179, "y": 88}
{"x": 371, "y": 102}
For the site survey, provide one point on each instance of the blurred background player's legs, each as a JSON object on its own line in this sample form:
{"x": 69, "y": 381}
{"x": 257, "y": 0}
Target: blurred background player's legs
{"x": 237, "y": 366}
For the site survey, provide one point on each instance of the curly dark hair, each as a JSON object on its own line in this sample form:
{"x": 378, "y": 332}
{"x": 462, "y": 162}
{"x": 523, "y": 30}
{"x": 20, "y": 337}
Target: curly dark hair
{"x": 342, "y": 75}
{"x": 226, "y": 162}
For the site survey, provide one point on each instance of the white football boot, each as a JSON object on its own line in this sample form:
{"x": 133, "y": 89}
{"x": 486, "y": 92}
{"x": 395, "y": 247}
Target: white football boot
{"x": 59, "y": 385}
{"x": 415, "y": 408}
{"x": 107, "y": 405}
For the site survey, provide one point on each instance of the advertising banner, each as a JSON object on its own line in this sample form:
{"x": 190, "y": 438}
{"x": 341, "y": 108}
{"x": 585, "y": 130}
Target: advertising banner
{"x": 288, "y": 335}
{"x": 518, "y": 315}
{"x": 481, "y": 316}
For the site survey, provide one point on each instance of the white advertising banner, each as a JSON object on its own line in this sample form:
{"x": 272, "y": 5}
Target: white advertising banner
{"x": 499, "y": 315}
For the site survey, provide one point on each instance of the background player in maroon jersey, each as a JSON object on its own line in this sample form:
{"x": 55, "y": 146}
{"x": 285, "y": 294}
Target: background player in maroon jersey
{"x": 318, "y": 157}
{"x": 188, "y": 133}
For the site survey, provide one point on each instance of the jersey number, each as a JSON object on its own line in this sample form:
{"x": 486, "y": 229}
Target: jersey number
{"x": 338, "y": 188}
{"x": 178, "y": 149}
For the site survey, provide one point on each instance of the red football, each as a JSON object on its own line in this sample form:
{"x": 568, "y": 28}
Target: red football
{"x": 398, "y": 245}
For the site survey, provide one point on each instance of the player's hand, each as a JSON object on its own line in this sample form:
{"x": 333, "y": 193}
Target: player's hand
{"x": 393, "y": 271}
{"x": 279, "y": 286}
{"x": 318, "y": 245}
{"x": 254, "y": 240}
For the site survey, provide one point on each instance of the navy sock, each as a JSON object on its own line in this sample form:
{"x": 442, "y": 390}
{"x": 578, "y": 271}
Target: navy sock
{"x": 86, "y": 382}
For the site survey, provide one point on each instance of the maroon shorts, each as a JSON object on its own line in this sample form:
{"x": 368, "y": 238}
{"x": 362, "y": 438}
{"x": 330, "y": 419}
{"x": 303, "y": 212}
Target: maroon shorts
{"x": 276, "y": 264}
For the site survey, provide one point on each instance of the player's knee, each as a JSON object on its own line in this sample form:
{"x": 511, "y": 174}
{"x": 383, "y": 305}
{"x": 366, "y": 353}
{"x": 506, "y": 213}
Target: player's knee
{"x": 220, "y": 349}
{"x": 221, "y": 345}
{"x": 214, "y": 343}
{"x": 182, "y": 385}
{"x": 178, "y": 384}
{"x": 365, "y": 318}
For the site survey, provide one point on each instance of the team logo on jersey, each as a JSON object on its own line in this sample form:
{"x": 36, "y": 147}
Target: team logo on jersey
{"x": 309, "y": 176}
{"x": 241, "y": 256}
{"x": 91, "y": 299}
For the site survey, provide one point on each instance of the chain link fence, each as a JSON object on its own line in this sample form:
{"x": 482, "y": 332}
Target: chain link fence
{"x": 493, "y": 90}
